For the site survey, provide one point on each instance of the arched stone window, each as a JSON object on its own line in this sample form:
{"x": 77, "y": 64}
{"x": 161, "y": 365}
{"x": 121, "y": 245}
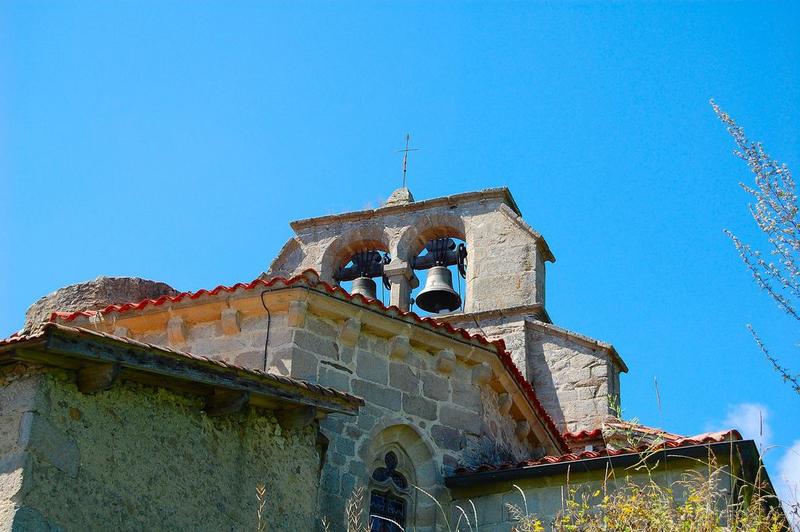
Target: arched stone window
{"x": 398, "y": 461}
{"x": 391, "y": 498}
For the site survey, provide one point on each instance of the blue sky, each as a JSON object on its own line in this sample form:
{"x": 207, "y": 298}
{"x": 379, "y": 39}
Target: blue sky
{"x": 176, "y": 140}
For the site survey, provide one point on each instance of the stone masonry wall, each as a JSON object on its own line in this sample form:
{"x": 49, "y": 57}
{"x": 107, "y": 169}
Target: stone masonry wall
{"x": 578, "y": 384}
{"x": 434, "y": 395}
{"x": 140, "y": 458}
{"x": 447, "y": 409}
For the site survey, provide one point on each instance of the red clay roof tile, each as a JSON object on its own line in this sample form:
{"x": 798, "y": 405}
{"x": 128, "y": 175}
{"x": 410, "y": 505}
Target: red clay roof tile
{"x": 583, "y": 435}
{"x": 700, "y": 439}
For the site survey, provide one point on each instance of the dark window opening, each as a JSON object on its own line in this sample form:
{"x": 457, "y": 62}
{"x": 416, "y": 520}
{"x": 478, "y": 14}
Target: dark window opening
{"x": 386, "y": 509}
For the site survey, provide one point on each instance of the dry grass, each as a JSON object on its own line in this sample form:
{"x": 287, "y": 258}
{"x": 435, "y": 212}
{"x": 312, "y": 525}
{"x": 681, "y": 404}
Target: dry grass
{"x": 698, "y": 502}
{"x": 261, "y": 496}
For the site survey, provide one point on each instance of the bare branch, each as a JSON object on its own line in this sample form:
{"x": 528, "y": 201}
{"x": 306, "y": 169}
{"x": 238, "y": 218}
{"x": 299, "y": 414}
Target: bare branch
{"x": 777, "y": 214}
{"x": 793, "y": 380}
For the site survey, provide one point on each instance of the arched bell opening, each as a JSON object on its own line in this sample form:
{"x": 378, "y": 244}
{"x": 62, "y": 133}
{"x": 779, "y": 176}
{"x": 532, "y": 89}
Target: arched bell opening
{"x": 360, "y": 270}
{"x": 441, "y": 267}
{"x": 412, "y": 247}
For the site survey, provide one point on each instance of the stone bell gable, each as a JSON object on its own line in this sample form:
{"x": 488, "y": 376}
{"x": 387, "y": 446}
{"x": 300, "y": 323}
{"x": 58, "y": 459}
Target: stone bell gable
{"x": 506, "y": 266}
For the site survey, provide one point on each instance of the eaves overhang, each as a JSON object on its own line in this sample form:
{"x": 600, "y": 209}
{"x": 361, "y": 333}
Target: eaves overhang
{"x": 743, "y": 450}
{"x": 93, "y": 352}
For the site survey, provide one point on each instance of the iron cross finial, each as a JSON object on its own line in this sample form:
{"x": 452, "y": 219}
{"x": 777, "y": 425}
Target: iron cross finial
{"x": 405, "y": 156}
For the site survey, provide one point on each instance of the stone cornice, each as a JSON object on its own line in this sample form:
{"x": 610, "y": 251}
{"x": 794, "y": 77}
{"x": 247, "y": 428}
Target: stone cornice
{"x": 501, "y": 194}
{"x": 278, "y": 294}
{"x": 468, "y": 319}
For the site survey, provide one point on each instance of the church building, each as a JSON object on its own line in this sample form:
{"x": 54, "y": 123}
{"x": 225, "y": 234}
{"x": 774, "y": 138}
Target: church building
{"x": 406, "y": 350}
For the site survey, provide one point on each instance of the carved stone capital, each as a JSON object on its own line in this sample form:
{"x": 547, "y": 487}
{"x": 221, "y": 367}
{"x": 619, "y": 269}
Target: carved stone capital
{"x": 176, "y": 330}
{"x": 296, "y": 418}
{"x": 297, "y": 313}
{"x": 504, "y": 402}
{"x": 398, "y": 268}
{"x": 97, "y": 378}
{"x": 522, "y": 429}
{"x": 481, "y": 373}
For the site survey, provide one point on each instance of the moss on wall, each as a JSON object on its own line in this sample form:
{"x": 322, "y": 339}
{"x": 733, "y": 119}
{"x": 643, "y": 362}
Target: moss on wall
{"x": 136, "y": 457}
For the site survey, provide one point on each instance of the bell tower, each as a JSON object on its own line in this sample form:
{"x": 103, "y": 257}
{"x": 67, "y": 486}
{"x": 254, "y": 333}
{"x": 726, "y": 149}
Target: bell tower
{"x": 502, "y": 259}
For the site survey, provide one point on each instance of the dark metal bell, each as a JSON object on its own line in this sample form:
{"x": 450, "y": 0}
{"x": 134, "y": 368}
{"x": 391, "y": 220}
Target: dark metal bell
{"x": 438, "y": 294}
{"x": 364, "y": 286}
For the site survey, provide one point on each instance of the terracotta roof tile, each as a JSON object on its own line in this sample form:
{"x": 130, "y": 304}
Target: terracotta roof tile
{"x": 583, "y": 435}
{"x": 700, "y": 439}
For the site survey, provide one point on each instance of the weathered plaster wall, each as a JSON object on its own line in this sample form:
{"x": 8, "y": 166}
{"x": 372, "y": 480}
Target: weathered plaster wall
{"x": 19, "y": 398}
{"x": 544, "y": 495}
{"x": 139, "y": 458}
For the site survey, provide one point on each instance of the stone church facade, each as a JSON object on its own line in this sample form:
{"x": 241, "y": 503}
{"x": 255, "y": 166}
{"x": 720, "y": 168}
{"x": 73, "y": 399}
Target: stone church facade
{"x": 457, "y": 405}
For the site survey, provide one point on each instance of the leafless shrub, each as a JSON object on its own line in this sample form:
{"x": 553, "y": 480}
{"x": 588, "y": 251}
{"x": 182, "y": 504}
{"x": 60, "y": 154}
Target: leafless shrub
{"x": 485, "y": 450}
